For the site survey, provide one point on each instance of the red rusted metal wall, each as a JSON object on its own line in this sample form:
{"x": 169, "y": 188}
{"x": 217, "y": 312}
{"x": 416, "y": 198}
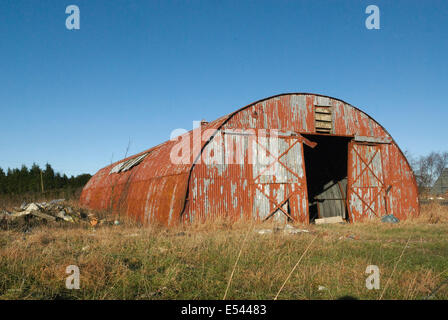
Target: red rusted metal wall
{"x": 151, "y": 192}
{"x": 157, "y": 190}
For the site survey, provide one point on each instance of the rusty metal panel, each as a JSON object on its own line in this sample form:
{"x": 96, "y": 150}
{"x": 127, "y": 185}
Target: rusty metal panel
{"x": 350, "y": 121}
{"x": 288, "y": 112}
{"x": 359, "y": 138}
{"x": 222, "y": 189}
{"x": 218, "y": 197}
{"x": 403, "y": 193}
{"x": 127, "y": 192}
{"x": 268, "y": 175}
{"x": 366, "y": 182}
{"x": 279, "y": 180}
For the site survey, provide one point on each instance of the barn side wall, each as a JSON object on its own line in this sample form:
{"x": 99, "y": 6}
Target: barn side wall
{"x": 153, "y": 191}
{"x": 148, "y": 193}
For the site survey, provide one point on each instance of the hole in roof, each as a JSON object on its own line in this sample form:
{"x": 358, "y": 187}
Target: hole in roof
{"x": 128, "y": 164}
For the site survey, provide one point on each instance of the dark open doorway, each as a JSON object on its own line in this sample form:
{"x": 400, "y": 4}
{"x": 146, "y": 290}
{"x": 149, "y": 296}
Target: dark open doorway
{"x": 326, "y": 176}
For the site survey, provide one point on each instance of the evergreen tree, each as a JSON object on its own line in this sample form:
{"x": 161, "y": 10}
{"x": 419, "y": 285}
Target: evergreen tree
{"x": 2, "y": 181}
{"x": 9, "y": 181}
{"x": 23, "y": 179}
{"x": 35, "y": 178}
{"x": 49, "y": 179}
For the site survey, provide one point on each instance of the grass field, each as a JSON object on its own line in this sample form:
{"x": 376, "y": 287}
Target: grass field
{"x": 211, "y": 260}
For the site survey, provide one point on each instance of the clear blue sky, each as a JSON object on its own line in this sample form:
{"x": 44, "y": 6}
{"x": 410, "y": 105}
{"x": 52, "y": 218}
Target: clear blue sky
{"x": 139, "y": 69}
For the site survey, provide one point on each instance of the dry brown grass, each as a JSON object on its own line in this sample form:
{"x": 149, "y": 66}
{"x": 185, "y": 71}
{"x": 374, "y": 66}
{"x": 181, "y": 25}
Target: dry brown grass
{"x": 196, "y": 261}
{"x": 432, "y": 213}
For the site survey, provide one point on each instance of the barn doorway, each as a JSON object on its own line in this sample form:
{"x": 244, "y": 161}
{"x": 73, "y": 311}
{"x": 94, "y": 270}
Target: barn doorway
{"x": 326, "y": 176}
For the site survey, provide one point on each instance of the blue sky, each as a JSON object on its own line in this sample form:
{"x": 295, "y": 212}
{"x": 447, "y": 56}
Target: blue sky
{"x": 136, "y": 70}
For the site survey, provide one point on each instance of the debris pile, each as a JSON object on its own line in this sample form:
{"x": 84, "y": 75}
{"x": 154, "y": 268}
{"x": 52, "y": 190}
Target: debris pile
{"x": 390, "y": 219}
{"x": 55, "y": 210}
{"x": 337, "y": 219}
{"x": 52, "y": 211}
{"x": 287, "y": 229}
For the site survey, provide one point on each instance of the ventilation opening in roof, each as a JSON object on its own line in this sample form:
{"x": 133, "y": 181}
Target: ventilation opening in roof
{"x": 128, "y": 164}
{"x": 326, "y": 176}
{"x": 323, "y": 119}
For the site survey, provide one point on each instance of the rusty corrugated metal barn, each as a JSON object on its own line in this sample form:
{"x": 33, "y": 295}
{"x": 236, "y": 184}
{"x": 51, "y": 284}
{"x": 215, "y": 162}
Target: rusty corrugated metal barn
{"x": 294, "y": 156}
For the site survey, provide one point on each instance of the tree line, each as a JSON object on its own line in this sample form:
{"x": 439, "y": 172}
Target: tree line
{"x": 427, "y": 168}
{"x": 35, "y": 179}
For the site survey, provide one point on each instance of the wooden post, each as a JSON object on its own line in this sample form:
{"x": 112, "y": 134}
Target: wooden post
{"x": 41, "y": 182}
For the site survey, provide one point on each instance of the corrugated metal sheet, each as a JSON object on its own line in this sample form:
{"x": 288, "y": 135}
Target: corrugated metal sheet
{"x": 269, "y": 181}
{"x": 380, "y": 179}
{"x": 366, "y": 183}
{"x": 332, "y": 201}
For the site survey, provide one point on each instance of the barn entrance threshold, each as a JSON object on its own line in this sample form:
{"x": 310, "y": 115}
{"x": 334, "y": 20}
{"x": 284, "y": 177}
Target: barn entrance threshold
{"x": 326, "y": 177}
